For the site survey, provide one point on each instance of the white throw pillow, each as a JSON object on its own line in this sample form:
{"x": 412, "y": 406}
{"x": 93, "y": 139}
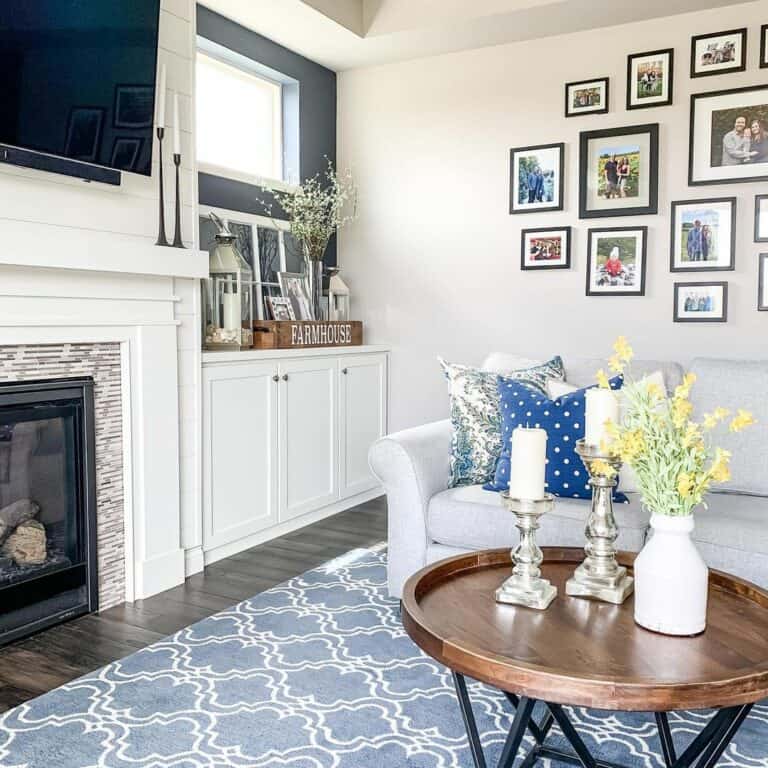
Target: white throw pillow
{"x": 504, "y": 363}
{"x": 557, "y": 388}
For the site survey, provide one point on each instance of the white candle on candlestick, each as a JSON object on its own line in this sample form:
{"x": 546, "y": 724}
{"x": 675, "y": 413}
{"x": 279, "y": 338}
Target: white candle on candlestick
{"x": 601, "y": 406}
{"x": 160, "y": 99}
{"x": 176, "y": 126}
{"x": 528, "y": 463}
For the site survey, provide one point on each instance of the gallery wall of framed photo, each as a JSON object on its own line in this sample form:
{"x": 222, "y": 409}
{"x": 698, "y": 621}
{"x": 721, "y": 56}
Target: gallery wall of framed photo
{"x": 440, "y": 263}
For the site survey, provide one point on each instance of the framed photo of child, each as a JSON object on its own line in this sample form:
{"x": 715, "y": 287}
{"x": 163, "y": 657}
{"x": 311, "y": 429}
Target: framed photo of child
{"x": 546, "y": 248}
{"x": 703, "y": 237}
{"x": 619, "y": 171}
{"x": 616, "y": 259}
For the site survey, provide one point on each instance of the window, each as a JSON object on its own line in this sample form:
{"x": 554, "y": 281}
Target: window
{"x": 239, "y": 120}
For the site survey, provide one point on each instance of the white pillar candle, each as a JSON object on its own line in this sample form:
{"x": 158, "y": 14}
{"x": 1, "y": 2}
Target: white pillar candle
{"x": 528, "y": 464}
{"x": 176, "y": 125}
{"x": 601, "y": 406}
{"x": 160, "y": 99}
{"x": 232, "y": 314}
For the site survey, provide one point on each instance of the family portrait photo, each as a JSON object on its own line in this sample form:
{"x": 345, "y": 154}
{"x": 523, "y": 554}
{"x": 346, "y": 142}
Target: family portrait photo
{"x": 546, "y": 248}
{"x": 718, "y": 53}
{"x": 618, "y": 171}
{"x": 586, "y": 97}
{"x": 649, "y": 79}
{"x": 703, "y": 235}
{"x": 616, "y": 263}
{"x": 536, "y": 178}
{"x": 729, "y": 133}
{"x": 701, "y": 302}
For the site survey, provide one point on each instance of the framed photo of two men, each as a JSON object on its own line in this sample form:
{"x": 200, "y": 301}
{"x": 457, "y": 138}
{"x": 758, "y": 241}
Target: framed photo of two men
{"x": 729, "y": 136}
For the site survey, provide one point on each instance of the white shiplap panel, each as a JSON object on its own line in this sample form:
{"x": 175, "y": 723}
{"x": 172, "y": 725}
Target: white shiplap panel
{"x": 174, "y": 35}
{"x": 184, "y": 9}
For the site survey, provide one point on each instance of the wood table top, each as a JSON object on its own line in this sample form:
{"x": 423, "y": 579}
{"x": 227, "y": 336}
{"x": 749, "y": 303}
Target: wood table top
{"x": 583, "y": 652}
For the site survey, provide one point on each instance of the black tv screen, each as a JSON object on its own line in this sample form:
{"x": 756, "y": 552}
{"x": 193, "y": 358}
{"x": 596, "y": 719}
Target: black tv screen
{"x": 79, "y": 79}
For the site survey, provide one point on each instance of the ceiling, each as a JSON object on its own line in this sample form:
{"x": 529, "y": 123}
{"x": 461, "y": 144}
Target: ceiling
{"x": 345, "y": 34}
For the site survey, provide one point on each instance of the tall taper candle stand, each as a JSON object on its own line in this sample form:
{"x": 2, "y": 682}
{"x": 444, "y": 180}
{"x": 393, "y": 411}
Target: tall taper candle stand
{"x": 600, "y": 577}
{"x": 161, "y": 239}
{"x": 525, "y": 586}
{"x": 177, "y": 242}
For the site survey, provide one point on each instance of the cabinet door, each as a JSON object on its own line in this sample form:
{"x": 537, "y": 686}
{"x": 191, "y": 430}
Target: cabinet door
{"x": 363, "y": 417}
{"x": 309, "y": 436}
{"x": 239, "y": 451}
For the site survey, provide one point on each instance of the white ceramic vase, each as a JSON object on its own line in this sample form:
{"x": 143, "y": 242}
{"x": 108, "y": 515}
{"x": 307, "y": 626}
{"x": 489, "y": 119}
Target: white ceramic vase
{"x": 671, "y": 579}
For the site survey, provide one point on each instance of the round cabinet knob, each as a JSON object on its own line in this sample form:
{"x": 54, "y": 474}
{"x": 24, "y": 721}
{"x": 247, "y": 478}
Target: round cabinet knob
{"x": 344, "y": 371}
{"x": 285, "y": 377}
{"x": 275, "y": 378}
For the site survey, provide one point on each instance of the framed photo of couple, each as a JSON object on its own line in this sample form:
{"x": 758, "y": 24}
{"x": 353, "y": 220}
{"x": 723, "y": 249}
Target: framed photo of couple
{"x": 729, "y": 136}
{"x": 619, "y": 171}
{"x": 536, "y": 178}
{"x": 703, "y": 237}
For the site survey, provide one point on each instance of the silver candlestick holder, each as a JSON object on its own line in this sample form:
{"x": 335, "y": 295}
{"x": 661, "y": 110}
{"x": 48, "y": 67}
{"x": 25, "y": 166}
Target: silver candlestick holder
{"x": 525, "y": 586}
{"x": 600, "y": 577}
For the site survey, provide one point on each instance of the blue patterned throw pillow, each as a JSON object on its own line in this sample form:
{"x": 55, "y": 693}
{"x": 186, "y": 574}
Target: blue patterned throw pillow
{"x": 475, "y": 416}
{"x": 563, "y": 419}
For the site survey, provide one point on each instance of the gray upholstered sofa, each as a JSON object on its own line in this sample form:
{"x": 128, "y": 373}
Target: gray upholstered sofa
{"x": 428, "y": 520}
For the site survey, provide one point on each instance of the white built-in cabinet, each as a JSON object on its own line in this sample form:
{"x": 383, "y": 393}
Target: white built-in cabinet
{"x": 285, "y": 439}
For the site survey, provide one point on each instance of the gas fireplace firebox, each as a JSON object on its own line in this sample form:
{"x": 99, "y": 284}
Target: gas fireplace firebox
{"x": 47, "y": 504}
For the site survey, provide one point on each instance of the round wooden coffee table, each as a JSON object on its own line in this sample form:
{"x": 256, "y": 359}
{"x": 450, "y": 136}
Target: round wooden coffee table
{"x": 584, "y": 653}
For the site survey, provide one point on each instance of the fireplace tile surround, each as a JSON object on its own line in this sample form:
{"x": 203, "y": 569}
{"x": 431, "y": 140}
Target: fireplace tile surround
{"x": 102, "y": 362}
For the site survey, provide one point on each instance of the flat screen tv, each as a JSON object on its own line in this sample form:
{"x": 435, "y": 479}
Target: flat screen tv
{"x": 78, "y": 85}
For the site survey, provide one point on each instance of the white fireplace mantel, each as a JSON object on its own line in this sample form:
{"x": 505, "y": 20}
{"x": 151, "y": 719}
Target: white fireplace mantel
{"x": 51, "y": 246}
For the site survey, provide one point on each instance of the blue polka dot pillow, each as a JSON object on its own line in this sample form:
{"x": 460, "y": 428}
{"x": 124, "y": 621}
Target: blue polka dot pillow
{"x": 563, "y": 419}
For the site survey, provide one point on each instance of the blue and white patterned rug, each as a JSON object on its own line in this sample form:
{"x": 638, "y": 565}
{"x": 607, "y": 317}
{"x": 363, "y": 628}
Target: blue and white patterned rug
{"x": 315, "y": 673}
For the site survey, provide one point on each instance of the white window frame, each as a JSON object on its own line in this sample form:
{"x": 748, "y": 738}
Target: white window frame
{"x": 234, "y": 59}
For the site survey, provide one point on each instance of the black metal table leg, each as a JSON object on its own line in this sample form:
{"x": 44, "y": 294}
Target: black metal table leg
{"x": 469, "y": 720}
{"x": 566, "y": 726}
{"x": 723, "y": 737}
{"x": 515, "y": 738}
{"x": 665, "y": 737}
{"x": 538, "y": 731}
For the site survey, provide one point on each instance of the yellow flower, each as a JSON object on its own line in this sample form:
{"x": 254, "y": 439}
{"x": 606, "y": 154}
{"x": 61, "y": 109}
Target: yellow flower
{"x": 691, "y": 436}
{"x": 630, "y": 445}
{"x": 602, "y": 467}
{"x": 681, "y": 411}
{"x": 684, "y": 484}
{"x": 720, "y": 471}
{"x": 622, "y": 349}
{"x": 616, "y": 365}
{"x": 741, "y": 420}
{"x": 683, "y": 390}
{"x": 711, "y": 420}
{"x": 654, "y": 391}
{"x": 602, "y": 379}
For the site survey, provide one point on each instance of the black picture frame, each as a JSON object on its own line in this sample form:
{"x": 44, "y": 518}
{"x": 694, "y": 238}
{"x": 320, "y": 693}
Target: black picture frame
{"x": 740, "y": 66}
{"x": 763, "y": 52}
{"x": 652, "y": 129}
{"x": 762, "y": 283}
{"x": 544, "y": 266}
{"x": 758, "y": 200}
{"x": 670, "y": 78}
{"x": 84, "y": 131}
{"x": 134, "y": 106}
{"x": 644, "y": 254}
{"x": 673, "y": 231}
{"x": 601, "y": 111}
{"x": 125, "y": 152}
{"x": 696, "y": 98}
{"x": 723, "y": 319}
{"x": 559, "y": 203}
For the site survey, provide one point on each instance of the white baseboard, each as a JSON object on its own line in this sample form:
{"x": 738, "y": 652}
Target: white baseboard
{"x": 159, "y": 573}
{"x": 233, "y": 548}
{"x": 194, "y": 560}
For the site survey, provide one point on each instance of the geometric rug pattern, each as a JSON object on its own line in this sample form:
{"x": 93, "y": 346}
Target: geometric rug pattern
{"x": 315, "y": 673}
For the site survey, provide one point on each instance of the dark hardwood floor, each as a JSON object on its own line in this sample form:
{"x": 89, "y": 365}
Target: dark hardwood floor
{"x": 42, "y": 662}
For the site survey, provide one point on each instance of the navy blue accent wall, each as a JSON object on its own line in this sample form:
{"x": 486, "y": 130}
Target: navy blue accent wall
{"x": 317, "y": 113}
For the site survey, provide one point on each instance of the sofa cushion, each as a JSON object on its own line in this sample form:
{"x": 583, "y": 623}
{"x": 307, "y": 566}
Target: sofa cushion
{"x": 471, "y": 518}
{"x": 734, "y": 521}
{"x": 563, "y": 419}
{"x": 474, "y": 407}
{"x": 503, "y": 363}
{"x": 580, "y": 371}
{"x": 737, "y": 384}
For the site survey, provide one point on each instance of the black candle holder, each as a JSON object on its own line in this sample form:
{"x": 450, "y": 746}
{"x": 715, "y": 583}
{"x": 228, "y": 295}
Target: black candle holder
{"x": 177, "y": 242}
{"x": 161, "y": 239}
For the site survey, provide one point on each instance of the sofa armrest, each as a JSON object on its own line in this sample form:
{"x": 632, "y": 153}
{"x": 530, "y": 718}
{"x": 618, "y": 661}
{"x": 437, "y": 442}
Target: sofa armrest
{"x": 412, "y": 466}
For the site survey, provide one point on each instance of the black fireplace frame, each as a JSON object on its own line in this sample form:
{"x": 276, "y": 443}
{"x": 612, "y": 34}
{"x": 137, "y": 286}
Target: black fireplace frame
{"x": 46, "y": 393}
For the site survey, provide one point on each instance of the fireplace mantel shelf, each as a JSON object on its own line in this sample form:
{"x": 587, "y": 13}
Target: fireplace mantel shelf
{"x": 30, "y": 244}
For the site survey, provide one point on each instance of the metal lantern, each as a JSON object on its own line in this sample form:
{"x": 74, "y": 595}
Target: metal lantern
{"x": 227, "y": 294}
{"x": 338, "y": 299}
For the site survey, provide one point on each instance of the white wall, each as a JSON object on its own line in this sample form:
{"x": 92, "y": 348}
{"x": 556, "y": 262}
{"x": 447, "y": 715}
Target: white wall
{"x": 433, "y": 260}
